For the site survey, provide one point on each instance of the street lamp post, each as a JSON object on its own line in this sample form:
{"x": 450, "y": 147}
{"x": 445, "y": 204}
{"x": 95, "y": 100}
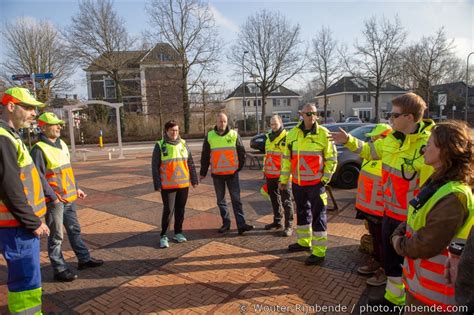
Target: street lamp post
{"x": 243, "y": 88}
{"x": 467, "y": 86}
{"x": 255, "y": 77}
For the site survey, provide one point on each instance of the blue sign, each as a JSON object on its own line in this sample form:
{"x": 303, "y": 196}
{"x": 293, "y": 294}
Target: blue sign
{"x": 43, "y": 76}
{"x": 18, "y": 77}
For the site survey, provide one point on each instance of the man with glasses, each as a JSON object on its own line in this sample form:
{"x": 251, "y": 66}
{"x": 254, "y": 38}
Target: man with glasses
{"x": 310, "y": 157}
{"x": 21, "y": 204}
{"x": 403, "y": 172}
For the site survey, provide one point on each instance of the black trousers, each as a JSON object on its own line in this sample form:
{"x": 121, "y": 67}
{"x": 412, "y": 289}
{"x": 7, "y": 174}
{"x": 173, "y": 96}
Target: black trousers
{"x": 174, "y": 201}
{"x": 280, "y": 199}
{"x": 392, "y": 261}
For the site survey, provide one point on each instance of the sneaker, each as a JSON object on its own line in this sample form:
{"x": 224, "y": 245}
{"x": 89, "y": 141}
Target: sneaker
{"x": 298, "y": 248}
{"x": 91, "y": 263}
{"x": 273, "y": 225}
{"x": 245, "y": 228}
{"x": 313, "y": 260}
{"x": 378, "y": 279}
{"x": 65, "y": 276}
{"x": 369, "y": 269}
{"x": 164, "y": 242}
{"x": 180, "y": 238}
{"x": 287, "y": 232}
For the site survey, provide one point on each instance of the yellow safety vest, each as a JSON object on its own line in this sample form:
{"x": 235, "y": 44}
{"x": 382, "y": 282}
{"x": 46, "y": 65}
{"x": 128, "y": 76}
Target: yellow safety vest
{"x": 174, "y": 170}
{"x": 31, "y": 183}
{"x": 59, "y": 172}
{"x": 224, "y": 158}
{"x": 369, "y": 197}
{"x": 424, "y": 278}
{"x": 310, "y": 158}
{"x": 273, "y": 155}
{"x": 403, "y": 167}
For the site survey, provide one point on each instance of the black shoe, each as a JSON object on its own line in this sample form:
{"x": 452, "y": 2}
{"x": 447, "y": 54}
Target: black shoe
{"x": 273, "y": 225}
{"x": 313, "y": 260}
{"x": 224, "y": 228}
{"x": 65, "y": 276}
{"x": 245, "y": 228}
{"x": 298, "y": 248}
{"x": 92, "y": 263}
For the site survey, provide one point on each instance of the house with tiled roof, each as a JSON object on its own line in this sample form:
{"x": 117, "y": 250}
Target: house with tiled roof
{"x": 150, "y": 79}
{"x": 282, "y": 101}
{"x": 352, "y": 96}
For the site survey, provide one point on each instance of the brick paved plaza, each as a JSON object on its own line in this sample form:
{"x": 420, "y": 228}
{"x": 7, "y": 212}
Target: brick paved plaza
{"x": 210, "y": 273}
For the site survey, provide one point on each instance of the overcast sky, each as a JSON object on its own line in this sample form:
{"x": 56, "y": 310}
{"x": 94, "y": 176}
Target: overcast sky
{"x": 345, "y": 18}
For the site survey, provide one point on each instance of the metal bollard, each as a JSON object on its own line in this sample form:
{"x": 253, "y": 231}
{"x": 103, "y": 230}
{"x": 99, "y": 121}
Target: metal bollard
{"x": 101, "y": 143}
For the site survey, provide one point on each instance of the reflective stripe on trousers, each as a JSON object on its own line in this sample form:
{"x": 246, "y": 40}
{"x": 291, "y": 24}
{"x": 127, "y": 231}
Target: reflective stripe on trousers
{"x": 395, "y": 291}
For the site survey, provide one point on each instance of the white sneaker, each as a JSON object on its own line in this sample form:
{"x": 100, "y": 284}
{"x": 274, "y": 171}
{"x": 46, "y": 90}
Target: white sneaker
{"x": 164, "y": 243}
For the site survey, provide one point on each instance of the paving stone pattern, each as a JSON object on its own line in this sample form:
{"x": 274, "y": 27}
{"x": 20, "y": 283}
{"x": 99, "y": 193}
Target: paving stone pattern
{"x": 209, "y": 274}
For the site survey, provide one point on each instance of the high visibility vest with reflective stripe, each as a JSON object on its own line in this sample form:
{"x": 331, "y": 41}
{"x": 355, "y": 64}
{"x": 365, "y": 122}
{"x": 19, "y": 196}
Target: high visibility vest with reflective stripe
{"x": 174, "y": 170}
{"x": 31, "y": 183}
{"x": 273, "y": 154}
{"x": 306, "y": 159}
{"x": 369, "y": 188}
{"x": 424, "y": 278}
{"x": 224, "y": 158}
{"x": 59, "y": 172}
{"x": 398, "y": 187}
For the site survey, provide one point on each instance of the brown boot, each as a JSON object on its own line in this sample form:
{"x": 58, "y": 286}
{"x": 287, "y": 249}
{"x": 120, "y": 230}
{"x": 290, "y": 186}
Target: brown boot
{"x": 378, "y": 279}
{"x": 369, "y": 269}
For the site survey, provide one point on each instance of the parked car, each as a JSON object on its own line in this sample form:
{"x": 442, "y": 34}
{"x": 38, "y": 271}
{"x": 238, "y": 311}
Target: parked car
{"x": 348, "y": 162}
{"x": 354, "y": 119}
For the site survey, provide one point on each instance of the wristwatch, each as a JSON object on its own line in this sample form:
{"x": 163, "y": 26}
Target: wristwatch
{"x": 456, "y": 248}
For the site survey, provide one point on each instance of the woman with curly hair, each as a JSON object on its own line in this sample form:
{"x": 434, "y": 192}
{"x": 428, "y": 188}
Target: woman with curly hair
{"x": 439, "y": 219}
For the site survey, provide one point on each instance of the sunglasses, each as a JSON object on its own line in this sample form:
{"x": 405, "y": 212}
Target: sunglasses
{"x": 394, "y": 115}
{"x": 309, "y": 114}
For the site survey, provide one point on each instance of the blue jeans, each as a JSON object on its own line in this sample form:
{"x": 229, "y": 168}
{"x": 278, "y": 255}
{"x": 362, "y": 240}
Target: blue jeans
{"x": 57, "y": 215}
{"x": 233, "y": 185}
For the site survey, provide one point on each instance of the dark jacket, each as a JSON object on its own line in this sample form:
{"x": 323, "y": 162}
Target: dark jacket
{"x": 206, "y": 154}
{"x": 156, "y": 163}
{"x": 38, "y": 157}
{"x": 442, "y": 223}
{"x": 11, "y": 187}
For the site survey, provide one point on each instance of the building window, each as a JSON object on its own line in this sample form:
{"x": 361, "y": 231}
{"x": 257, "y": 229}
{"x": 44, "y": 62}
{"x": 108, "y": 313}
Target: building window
{"x": 355, "y": 98}
{"x": 109, "y": 86}
{"x": 276, "y": 102}
{"x": 366, "y": 98}
{"x": 288, "y": 102}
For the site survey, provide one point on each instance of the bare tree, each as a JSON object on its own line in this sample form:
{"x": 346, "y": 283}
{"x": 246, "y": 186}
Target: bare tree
{"x": 274, "y": 51}
{"x": 36, "y": 47}
{"x": 97, "y": 37}
{"x": 327, "y": 63}
{"x": 375, "y": 58}
{"x": 189, "y": 27}
{"x": 431, "y": 61}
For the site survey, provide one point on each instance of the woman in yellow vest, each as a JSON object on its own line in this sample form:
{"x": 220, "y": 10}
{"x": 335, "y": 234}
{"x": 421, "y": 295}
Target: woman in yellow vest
{"x": 440, "y": 217}
{"x": 369, "y": 206}
{"x": 173, "y": 169}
